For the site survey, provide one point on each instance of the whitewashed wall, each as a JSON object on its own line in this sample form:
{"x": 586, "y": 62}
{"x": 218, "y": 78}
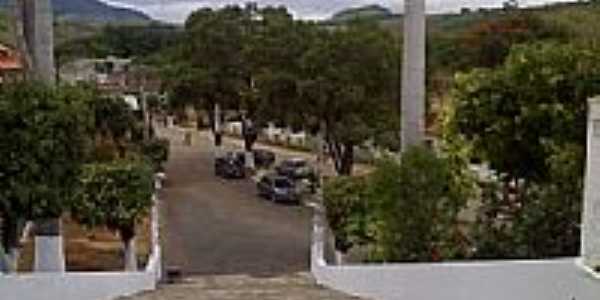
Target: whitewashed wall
{"x": 87, "y": 285}
{"x": 74, "y": 286}
{"x": 498, "y": 280}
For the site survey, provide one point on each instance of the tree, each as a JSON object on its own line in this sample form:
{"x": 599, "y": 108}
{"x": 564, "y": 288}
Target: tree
{"x": 523, "y": 117}
{"x": 116, "y": 195}
{"x": 417, "y": 202}
{"x": 44, "y": 146}
{"x": 114, "y": 121}
{"x": 347, "y": 87}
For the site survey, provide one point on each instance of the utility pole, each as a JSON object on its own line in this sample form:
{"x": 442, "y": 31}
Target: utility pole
{"x": 413, "y": 74}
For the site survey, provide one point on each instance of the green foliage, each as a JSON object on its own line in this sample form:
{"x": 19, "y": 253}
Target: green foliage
{"x": 157, "y": 151}
{"x": 44, "y": 143}
{"x": 348, "y": 212}
{"x": 418, "y": 204}
{"x": 535, "y": 100}
{"x": 405, "y": 211}
{"x": 533, "y": 134}
{"x": 115, "y": 194}
{"x": 347, "y": 85}
{"x": 546, "y": 221}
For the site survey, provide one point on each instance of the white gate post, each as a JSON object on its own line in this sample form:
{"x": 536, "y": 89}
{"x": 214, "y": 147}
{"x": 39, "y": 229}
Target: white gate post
{"x": 590, "y": 231}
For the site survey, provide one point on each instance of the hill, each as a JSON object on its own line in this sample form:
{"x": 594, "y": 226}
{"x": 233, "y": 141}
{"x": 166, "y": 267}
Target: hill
{"x": 93, "y": 11}
{"x": 364, "y": 12}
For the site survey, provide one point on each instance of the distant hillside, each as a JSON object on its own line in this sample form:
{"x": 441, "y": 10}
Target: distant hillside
{"x": 364, "y": 12}
{"x": 93, "y": 11}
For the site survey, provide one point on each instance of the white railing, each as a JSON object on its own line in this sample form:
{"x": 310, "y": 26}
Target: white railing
{"x": 561, "y": 279}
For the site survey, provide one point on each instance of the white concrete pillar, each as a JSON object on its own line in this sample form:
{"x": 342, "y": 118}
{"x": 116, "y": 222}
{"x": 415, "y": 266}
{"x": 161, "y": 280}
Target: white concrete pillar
{"x": 413, "y": 74}
{"x": 49, "y": 247}
{"x": 131, "y": 264}
{"x": 39, "y": 33}
{"x": 590, "y": 240}
{"x": 249, "y": 160}
{"x": 170, "y": 122}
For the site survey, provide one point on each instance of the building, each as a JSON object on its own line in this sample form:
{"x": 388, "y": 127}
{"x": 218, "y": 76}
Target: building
{"x": 11, "y": 65}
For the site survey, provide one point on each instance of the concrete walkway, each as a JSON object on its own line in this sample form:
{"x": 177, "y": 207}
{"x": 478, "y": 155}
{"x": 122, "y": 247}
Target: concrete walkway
{"x": 229, "y": 243}
{"x": 243, "y": 287}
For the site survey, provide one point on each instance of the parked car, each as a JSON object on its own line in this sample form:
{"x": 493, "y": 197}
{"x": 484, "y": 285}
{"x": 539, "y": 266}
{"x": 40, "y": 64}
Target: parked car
{"x": 229, "y": 166}
{"x": 295, "y": 169}
{"x": 263, "y": 158}
{"x": 278, "y": 189}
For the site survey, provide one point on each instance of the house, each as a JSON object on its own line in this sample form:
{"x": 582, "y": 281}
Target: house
{"x": 11, "y": 65}
{"x": 109, "y": 74}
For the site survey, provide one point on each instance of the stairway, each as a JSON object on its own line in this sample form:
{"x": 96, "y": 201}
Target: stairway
{"x": 242, "y": 287}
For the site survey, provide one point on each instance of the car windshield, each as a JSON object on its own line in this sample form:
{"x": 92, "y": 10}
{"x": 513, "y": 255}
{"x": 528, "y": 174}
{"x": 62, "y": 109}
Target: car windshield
{"x": 282, "y": 183}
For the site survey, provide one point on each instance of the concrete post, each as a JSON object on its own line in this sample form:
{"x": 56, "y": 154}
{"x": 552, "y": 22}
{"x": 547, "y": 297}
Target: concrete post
{"x": 590, "y": 231}
{"x": 49, "y": 249}
{"x": 413, "y": 74}
{"x": 39, "y": 34}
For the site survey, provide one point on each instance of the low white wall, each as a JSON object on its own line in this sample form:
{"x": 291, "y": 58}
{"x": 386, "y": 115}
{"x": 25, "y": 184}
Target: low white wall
{"x": 87, "y": 285}
{"x": 498, "y": 280}
{"x": 74, "y": 286}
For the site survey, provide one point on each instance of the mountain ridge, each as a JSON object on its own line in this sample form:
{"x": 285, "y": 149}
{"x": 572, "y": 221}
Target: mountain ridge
{"x": 93, "y": 10}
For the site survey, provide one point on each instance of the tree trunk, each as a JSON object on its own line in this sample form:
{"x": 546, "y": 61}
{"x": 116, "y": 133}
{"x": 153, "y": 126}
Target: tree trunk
{"x": 129, "y": 249}
{"x": 343, "y": 157}
{"x": 347, "y": 160}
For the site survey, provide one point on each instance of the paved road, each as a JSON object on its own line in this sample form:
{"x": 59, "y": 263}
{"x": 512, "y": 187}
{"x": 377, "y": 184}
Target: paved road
{"x": 218, "y": 227}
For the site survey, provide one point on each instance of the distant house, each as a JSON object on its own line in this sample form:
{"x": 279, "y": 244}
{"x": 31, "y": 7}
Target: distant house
{"x": 109, "y": 74}
{"x": 11, "y": 65}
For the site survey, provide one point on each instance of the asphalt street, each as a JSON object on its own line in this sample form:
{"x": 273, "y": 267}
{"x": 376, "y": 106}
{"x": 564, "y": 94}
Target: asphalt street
{"x": 221, "y": 227}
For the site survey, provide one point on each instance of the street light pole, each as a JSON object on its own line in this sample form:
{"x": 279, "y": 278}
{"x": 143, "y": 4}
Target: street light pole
{"x": 413, "y": 74}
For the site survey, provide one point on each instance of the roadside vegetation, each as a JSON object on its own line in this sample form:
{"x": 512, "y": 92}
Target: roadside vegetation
{"x": 69, "y": 152}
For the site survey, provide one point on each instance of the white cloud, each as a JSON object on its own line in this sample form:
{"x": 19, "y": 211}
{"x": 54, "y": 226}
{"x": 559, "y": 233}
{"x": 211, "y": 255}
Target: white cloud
{"x": 178, "y": 10}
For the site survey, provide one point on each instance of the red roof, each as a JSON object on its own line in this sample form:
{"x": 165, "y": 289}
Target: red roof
{"x": 9, "y": 59}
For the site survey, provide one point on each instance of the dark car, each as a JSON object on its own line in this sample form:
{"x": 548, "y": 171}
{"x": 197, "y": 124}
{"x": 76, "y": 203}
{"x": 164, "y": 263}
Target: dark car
{"x": 295, "y": 169}
{"x": 263, "y": 159}
{"x": 278, "y": 189}
{"x": 229, "y": 166}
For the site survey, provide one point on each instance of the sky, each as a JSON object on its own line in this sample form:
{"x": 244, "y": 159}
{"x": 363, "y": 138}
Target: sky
{"x": 178, "y": 10}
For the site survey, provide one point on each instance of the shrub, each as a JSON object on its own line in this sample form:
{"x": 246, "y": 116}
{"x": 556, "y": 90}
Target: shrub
{"x": 157, "y": 151}
{"x": 116, "y": 195}
{"x": 347, "y": 211}
{"x": 417, "y": 204}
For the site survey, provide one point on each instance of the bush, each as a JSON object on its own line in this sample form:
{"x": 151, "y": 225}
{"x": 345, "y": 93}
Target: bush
{"x": 45, "y": 140}
{"x": 347, "y": 211}
{"x": 542, "y": 220}
{"x": 157, "y": 151}
{"x": 114, "y": 194}
{"x": 405, "y": 211}
{"x": 417, "y": 204}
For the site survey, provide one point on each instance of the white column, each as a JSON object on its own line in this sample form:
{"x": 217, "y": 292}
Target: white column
{"x": 131, "y": 256}
{"x": 39, "y": 32}
{"x": 413, "y": 74}
{"x": 590, "y": 242}
{"x": 49, "y": 247}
